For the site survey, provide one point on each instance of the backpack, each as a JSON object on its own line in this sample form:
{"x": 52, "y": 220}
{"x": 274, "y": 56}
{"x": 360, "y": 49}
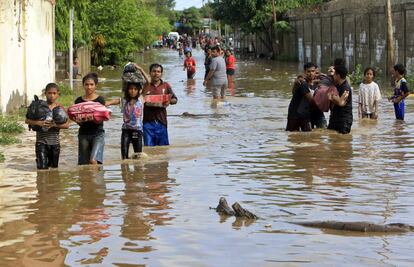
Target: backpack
{"x": 131, "y": 75}
{"x": 37, "y": 110}
{"x": 89, "y": 111}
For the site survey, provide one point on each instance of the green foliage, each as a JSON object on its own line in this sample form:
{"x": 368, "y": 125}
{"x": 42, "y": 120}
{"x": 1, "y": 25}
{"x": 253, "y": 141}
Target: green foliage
{"x": 191, "y": 20}
{"x": 126, "y": 26}
{"x": 2, "y": 158}
{"x": 254, "y": 15}
{"x": 66, "y": 96}
{"x": 357, "y": 75}
{"x": 81, "y": 28}
{"x": 10, "y": 125}
{"x": 7, "y": 139}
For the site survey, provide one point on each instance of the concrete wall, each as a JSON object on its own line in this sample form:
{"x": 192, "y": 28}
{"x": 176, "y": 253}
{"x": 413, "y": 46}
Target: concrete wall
{"x": 62, "y": 62}
{"x": 27, "y": 58}
{"x": 353, "y": 30}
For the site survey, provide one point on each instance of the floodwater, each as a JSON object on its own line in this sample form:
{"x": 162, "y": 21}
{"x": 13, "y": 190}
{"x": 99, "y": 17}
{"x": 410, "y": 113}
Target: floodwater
{"x": 155, "y": 211}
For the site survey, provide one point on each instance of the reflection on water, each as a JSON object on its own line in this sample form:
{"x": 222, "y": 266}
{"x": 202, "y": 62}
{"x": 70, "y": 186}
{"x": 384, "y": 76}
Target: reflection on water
{"x": 155, "y": 211}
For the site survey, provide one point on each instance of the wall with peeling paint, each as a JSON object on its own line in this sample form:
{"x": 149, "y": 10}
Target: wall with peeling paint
{"x": 355, "y": 31}
{"x": 27, "y": 58}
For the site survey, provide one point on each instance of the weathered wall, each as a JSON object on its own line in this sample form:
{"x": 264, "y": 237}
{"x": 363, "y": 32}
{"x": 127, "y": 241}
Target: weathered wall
{"x": 62, "y": 62}
{"x": 27, "y": 60}
{"x": 353, "y": 30}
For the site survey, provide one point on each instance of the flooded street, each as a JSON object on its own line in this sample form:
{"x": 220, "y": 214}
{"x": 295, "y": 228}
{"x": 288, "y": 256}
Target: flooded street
{"x": 155, "y": 211}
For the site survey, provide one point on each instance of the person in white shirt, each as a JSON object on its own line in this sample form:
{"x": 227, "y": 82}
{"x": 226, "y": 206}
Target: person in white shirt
{"x": 369, "y": 96}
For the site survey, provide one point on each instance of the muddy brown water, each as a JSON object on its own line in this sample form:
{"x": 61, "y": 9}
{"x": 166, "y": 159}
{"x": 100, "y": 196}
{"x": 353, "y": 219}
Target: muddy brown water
{"x": 155, "y": 211}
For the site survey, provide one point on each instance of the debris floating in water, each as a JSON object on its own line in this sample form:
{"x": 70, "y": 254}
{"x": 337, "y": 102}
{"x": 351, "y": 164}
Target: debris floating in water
{"x": 247, "y": 94}
{"x": 359, "y": 226}
{"x": 237, "y": 210}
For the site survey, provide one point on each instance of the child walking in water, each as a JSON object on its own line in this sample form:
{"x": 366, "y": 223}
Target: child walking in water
{"x": 400, "y": 91}
{"x": 47, "y": 145}
{"x": 132, "y": 110}
{"x": 369, "y": 96}
{"x": 189, "y": 65}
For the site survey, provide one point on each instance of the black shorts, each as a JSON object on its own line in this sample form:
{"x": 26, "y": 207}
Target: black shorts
{"x": 344, "y": 128}
{"x": 190, "y": 74}
{"x": 230, "y": 72}
{"x": 295, "y": 125}
{"x": 47, "y": 156}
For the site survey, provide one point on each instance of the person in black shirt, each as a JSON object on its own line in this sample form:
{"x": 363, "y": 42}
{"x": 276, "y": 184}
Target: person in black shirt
{"x": 299, "y": 114}
{"x": 341, "y": 118}
{"x": 91, "y": 135}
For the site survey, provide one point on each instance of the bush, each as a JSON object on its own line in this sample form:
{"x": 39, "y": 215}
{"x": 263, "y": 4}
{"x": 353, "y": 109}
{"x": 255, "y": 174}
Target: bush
{"x": 357, "y": 75}
{"x": 10, "y": 125}
{"x": 6, "y": 139}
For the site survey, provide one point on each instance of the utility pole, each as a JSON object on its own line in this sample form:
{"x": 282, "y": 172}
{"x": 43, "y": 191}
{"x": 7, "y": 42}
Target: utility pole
{"x": 390, "y": 40}
{"x": 71, "y": 17}
{"x": 275, "y": 44}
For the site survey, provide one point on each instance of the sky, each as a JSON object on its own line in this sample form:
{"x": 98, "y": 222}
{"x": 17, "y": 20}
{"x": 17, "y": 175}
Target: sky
{"x": 183, "y": 4}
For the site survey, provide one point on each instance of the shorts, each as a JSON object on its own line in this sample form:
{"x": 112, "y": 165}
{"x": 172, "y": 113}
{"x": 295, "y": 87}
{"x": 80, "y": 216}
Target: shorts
{"x": 47, "y": 156}
{"x": 219, "y": 89}
{"x": 345, "y": 128}
{"x": 230, "y": 72}
{"x": 155, "y": 134}
{"x": 190, "y": 74}
{"x": 296, "y": 125}
{"x": 91, "y": 147}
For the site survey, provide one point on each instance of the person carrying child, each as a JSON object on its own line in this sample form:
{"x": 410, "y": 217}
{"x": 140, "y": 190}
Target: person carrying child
{"x": 369, "y": 96}
{"x": 400, "y": 91}
{"x": 47, "y": 144}
{"x": 189, "y": 65}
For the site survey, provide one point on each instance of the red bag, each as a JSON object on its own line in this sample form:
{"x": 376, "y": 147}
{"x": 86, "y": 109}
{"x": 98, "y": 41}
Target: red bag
{"x": 89, "y": 111}
{"x": 321, "y": 96}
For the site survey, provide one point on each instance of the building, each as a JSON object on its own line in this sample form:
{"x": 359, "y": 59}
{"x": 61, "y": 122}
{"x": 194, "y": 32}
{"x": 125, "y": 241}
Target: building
{"x": 27, "y": 50}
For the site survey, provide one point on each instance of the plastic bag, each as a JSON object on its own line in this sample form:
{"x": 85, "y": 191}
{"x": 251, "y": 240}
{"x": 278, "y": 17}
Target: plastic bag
{"x": 38, "y": 110}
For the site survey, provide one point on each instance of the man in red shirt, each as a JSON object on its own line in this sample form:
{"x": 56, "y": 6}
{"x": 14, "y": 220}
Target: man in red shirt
{"x": 155, "y": 116}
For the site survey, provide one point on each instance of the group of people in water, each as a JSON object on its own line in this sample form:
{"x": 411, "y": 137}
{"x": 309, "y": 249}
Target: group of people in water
{"x": 140, "y": 120}
{"x": 147, "y": 122}
{"x": 306, "y": 110}
{"x": 219, "y": 67}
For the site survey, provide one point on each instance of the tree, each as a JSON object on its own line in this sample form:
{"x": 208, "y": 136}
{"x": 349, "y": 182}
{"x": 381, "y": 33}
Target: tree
{"x": 124, "y": 26}
{"x": 256, "y": 16}
{"x": 191, "y": 20}
{"x": 82, "y": 33}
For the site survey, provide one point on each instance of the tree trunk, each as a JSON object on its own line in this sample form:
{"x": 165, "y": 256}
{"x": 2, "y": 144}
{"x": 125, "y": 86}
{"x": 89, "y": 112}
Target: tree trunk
{"x": 390, "y": 41}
